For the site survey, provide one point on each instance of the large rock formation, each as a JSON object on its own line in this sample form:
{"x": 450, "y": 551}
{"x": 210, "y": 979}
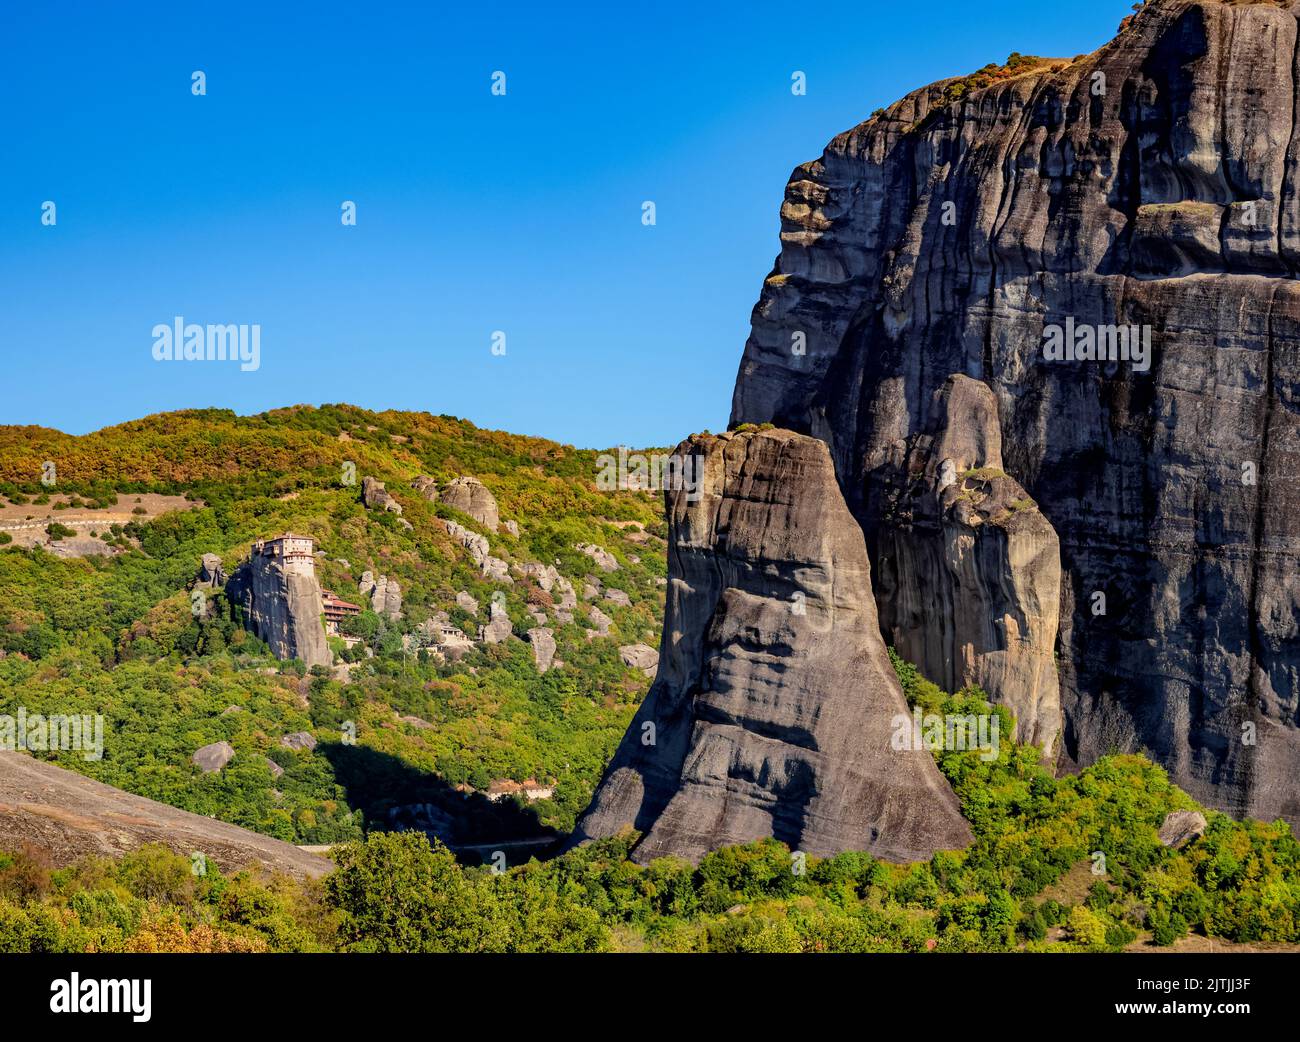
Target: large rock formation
{"x": 1152, "y": 185}
{"x": 498, "y": 627}
{"x": 542, "y": 640}
{"x": 385, "y": 595}
{"x": 969, "y": 573}
{"x": 773, "y": 709}
{"x": 470, "y": 496}
{"x": 282, "y": 605}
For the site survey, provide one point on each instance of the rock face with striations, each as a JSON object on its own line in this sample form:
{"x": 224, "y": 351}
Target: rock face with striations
{"x": 969, "y": 571}
{"x": 1149, "y": 190}
{"x": 470, "y": 496}
{"x": 283, "y": 607}
{"x": 775, "y": 702}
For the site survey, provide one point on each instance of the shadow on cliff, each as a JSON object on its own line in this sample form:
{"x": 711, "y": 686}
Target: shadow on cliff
{"x": 395, "y": 796}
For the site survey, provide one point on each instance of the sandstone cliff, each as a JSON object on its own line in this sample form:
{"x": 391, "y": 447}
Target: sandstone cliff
{"x": 1152, "y": 184}
{"x": 969, "y": 572}
{"x": 282, "y": 608}
{"x": 771, "y": 713}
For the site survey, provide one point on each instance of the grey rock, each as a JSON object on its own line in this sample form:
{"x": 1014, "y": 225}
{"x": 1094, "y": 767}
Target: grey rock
{"x": 603, "y": 559}
{"x": 386, "y": 598}
{"x": 470, "y": 496}
{"x": 467, "y": 602}
{"x": 72, "y": 817}
{"x": 377, "y": 497}
{"x": 618, "y": 597}
{"x": 211, "y": 573}
{"x": 600, "y": 621}
{"x": 211, "y": 758}
{"x": 640, "y": 656}
{"x": 543, "y": 643}
{"x": 299, "y": 740}
{"x": 275, "y": 768}
{"x": 544, "y": 575}
{"x": 476, "y": 544}
{"x": 969, "y": 576}
{"x": 771, "y": 721}
{"x": 563, "y": 595}
{"x": 282, "y": 605}
{"x": 1180, "y": 827}
{"x": 1097, "y": 209}
{"x": 512, "y": 527}
{"x": 498, "y": 626}
{"x": 427, "y": 487}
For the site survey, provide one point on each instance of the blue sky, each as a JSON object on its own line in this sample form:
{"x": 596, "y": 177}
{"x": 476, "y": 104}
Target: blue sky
{"x": 475, "y": 213}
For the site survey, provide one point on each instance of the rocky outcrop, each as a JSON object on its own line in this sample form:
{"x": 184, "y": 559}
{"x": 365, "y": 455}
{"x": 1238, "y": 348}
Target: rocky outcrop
{"x": 470, "y": 496}
{"x": 466, "y": 602}
{"x": 1147, "y": 191}
{"x": 377, "y": 497}
{"x": 282, "y": 605}
{"x": 299, "y": 740}
{"x": 211, "y": 573}
{"x": 427, "y": 487}
{"x": 968, "y": 578}
{"x": 498, "y": 626}
{"x": 476, "y": 544}
{"x": 1180, "y": 827}
{"x": 493, "y": 568}
{"x": 542, "y": 641}
{"x": 600, "y": 621}
{"x": 775, "y": 701}
{"x": 603, "y": 559}
{"x": 211, "y": 758}
{"x": 71, "y": 817}
{"x": 640, "y": 656}
{"x": 385, "y": 595}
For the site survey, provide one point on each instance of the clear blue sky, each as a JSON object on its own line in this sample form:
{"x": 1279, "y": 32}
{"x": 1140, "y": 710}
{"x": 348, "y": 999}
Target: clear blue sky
{"x": 475, "y": 213}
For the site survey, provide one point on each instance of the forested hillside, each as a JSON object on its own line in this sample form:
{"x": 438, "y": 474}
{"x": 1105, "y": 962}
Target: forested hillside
{"x": 112, "y": 631}
{"x": 404, "y": 739}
